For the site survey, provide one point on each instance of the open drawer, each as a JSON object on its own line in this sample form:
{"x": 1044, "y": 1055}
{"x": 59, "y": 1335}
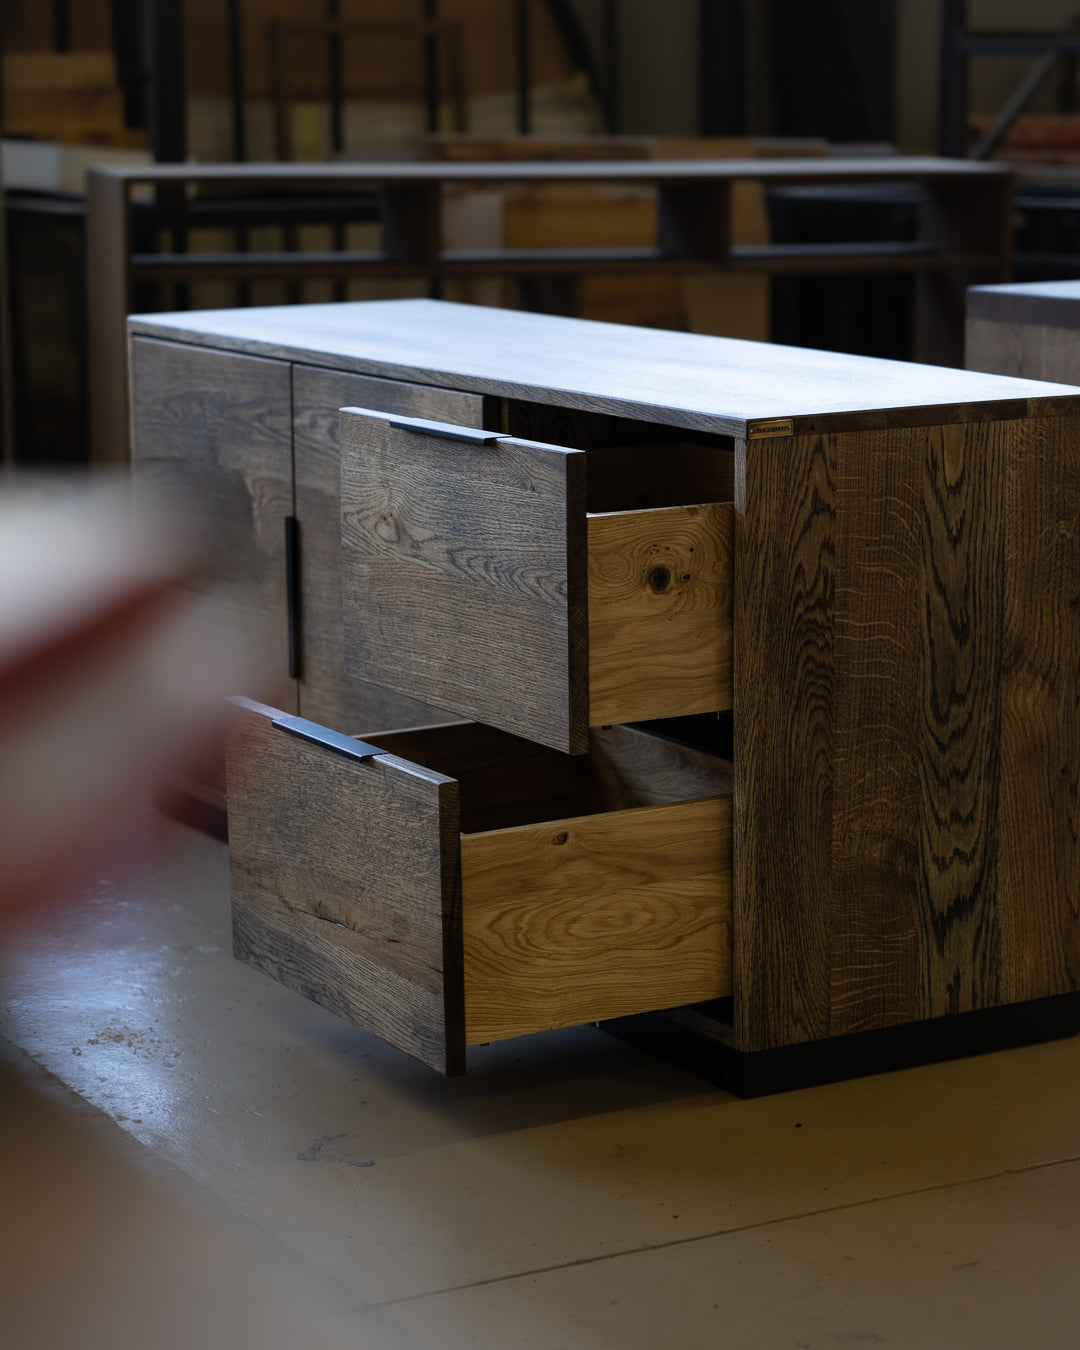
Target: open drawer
{"x": 453, "y": 885}
{"x": 534, "y": 588}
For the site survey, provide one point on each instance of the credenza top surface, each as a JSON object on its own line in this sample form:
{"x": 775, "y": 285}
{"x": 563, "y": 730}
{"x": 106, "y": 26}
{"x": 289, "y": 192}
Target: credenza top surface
{"x": 1053, "y": 303}
{"x": 686, "y": 379}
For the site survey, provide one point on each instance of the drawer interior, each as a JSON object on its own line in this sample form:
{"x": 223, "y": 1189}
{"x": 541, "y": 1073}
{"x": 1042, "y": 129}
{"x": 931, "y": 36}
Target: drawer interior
{"x": 660, "y": 525}
{"x": 591, "y": 887}
{"x": 641, "y": 477}
{"x": 506, "y": 781}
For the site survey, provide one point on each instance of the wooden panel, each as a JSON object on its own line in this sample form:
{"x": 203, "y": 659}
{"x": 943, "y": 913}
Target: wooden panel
{"x": 600, "y": 916}
{"x": 918, "y": 650}
{"x": 785, "y": 581}
{"x": 212, "y": 434}
{"x": 327, "y": 694}
{"x": 345, "y": 884}
{"x": 683, "y": 379}
{"x": 464, "y": 576}
{"x": 906, "y": 616}
{"x": 1039, "y": 852}
{"x": 636, "y": 768}
{"x": 659, "y": 613}
{"x": 1035, "y": 351}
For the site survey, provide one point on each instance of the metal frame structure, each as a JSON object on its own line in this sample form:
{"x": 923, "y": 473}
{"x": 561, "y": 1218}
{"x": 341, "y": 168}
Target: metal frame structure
{"x": 959, "y": 45}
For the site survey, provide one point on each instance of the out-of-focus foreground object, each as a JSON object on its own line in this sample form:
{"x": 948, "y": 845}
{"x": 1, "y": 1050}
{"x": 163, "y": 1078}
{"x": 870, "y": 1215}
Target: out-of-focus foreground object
{"x": 112, "y": 670}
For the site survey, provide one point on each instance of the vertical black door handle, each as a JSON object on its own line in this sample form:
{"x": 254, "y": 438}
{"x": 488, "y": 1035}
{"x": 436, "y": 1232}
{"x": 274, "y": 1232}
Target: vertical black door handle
{"x": 292, "y": 593}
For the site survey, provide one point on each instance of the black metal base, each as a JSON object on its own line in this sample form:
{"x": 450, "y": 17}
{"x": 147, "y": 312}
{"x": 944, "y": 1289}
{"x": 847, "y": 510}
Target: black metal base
{"x": 695, "y": 1039}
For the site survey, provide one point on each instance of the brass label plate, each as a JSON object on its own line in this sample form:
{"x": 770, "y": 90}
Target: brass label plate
{"x": 773, "y": 426}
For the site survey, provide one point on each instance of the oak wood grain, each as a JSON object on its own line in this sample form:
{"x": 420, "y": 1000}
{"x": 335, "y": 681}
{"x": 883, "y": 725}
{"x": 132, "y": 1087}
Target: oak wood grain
{"x": 602, "y": 916}
{"x": 346, "y": 879}
{"x": 464, "y": 576}
{"x": 327, "y": 693}
{"x": 910, "y": 849}
{"x": 1039, "y": 848}
{"x": 213, "y": 440}
{"x": 635, "y": 767}
{"x": 659, "y": 613}
{"x": 784, "y": 695}
{"x": 359, "y": 863}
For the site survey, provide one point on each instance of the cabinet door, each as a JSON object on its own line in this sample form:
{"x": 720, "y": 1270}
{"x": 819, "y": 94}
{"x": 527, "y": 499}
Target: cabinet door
{"x": 327, "y": 694}
{"x": 212, "y": 432}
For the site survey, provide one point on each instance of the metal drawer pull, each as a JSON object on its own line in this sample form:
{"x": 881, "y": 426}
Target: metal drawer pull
{"x": 444, "y": 430}
{"x": 332, "y": 740}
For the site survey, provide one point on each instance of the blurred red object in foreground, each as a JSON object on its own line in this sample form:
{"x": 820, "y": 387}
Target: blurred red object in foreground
{"x": 113, "y": 669}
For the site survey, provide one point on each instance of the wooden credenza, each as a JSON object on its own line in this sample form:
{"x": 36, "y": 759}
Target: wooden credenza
{"x": 528, "y": 532}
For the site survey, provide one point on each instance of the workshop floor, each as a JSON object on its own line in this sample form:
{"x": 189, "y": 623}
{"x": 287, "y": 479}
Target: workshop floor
{"x": 570, "y": 1193}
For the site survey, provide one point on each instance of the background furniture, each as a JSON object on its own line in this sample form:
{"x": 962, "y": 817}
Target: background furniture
{"x": 903, "y": 719}
{"x": 1031, "y": 330}
{"x": 964, "y": 235}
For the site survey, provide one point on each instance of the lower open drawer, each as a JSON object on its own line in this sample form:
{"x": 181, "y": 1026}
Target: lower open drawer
{"x": 453, "y": 885}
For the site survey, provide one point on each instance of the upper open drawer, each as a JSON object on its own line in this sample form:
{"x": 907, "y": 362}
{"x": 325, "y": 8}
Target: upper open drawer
{"x": 534, "y": 588}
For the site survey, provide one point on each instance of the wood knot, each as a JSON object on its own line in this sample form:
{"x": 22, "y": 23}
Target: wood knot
{"x": 386, "y": 527}
{"x": 660, "y": 579}
{"x": 561, "y": 837}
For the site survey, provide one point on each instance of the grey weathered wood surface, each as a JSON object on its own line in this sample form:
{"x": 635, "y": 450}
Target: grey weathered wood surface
{"x": 684, "y": 379}
{"x": 212, "y": 434}
{"x": 464, "y": 576}
{"x": 1031, "y": 330}
{"x": 327, "y": 694}
{"x": 906, "y": 726}
{"x": 346, "y": 884}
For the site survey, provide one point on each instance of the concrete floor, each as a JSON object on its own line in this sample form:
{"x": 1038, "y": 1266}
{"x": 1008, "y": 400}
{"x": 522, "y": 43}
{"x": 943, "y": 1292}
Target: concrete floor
{"x": 571, "y": 1193}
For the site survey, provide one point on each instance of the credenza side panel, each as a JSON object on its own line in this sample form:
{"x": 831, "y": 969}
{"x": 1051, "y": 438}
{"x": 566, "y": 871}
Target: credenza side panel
{"x": 907, "y": 651}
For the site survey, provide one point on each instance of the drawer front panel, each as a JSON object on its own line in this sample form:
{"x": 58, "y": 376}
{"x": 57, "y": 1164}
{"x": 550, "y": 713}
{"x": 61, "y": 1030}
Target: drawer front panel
{"x": 464, "y": 577}
{"x": 353, "y": 885}
{"x": 475, "y": 577}
{"x": 212, "y": 432}
{"x": 327, "y": 694}
{"x": 345, "y": 884}
{"x": 602, "y": 916}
